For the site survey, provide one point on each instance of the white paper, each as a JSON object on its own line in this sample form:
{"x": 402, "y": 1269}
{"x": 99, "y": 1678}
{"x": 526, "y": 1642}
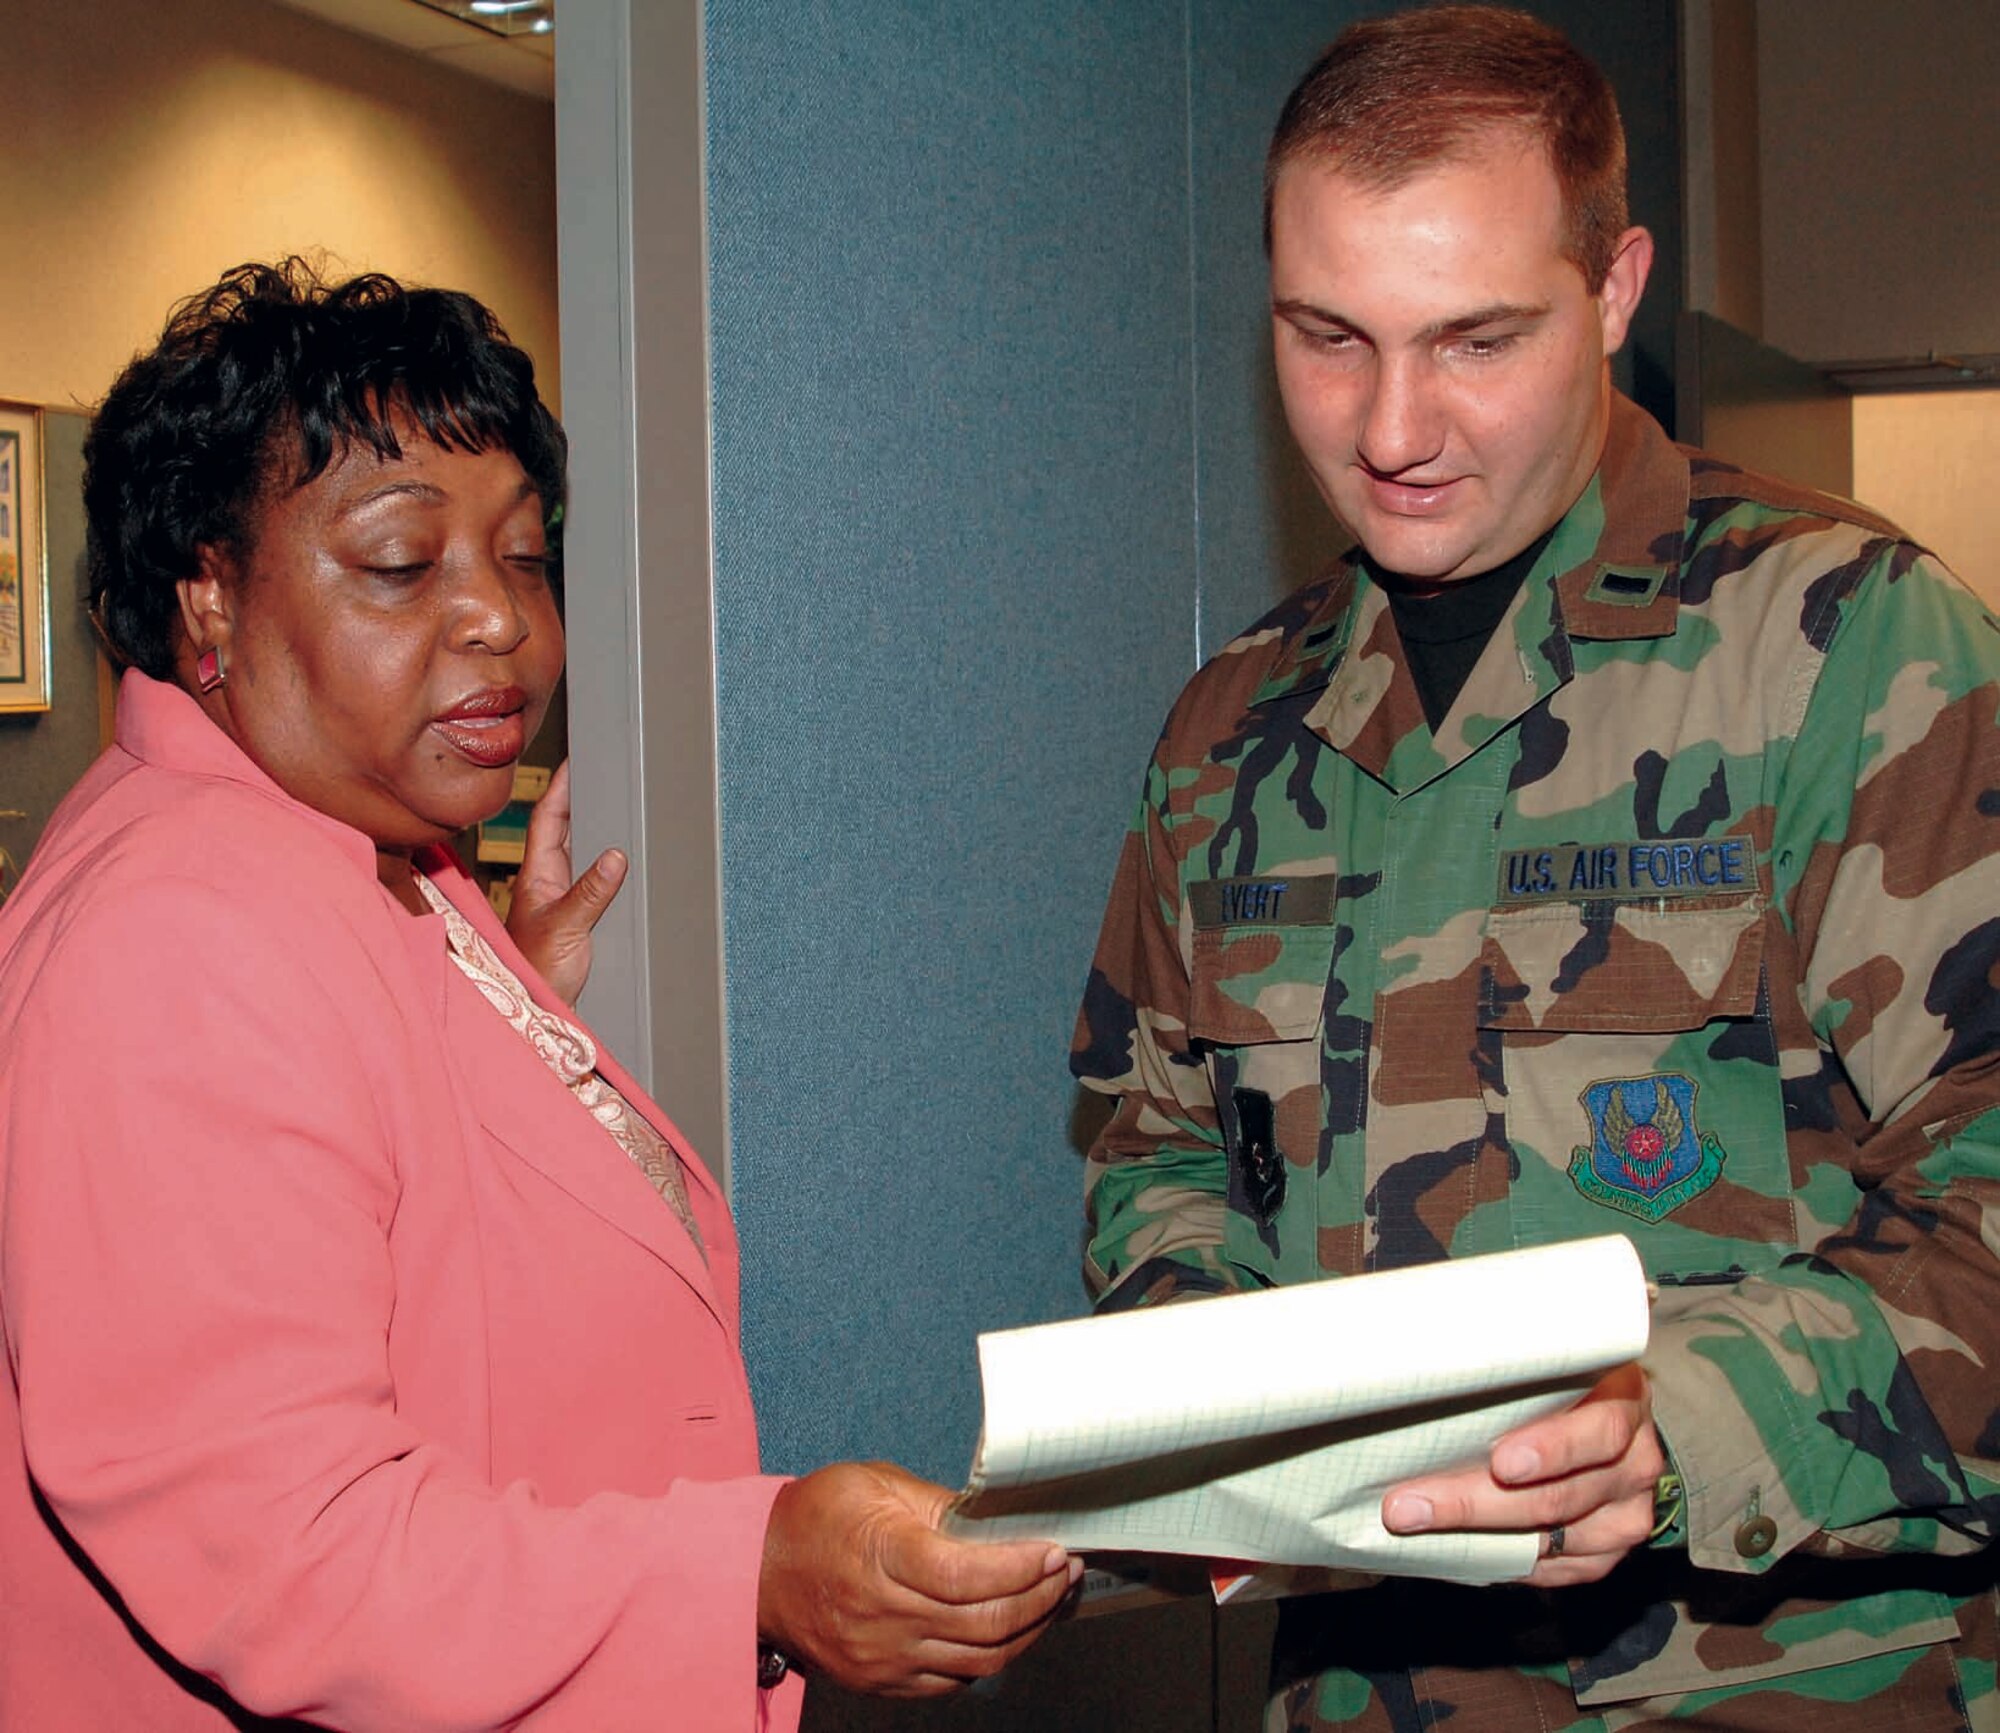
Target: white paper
{"x": 1267, "y": 1426}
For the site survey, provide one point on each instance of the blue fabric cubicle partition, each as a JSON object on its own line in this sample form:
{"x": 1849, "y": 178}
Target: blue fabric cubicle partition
{"x": 953, "y": 461}
{"x": 997, "y": 457}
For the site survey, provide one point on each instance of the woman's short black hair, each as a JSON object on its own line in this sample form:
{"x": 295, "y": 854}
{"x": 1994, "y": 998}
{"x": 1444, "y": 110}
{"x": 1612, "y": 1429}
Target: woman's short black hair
{"x": 273, "y": 367}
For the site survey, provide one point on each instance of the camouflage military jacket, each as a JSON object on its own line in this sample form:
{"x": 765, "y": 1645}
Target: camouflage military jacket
{"x": 1685, "y": 923}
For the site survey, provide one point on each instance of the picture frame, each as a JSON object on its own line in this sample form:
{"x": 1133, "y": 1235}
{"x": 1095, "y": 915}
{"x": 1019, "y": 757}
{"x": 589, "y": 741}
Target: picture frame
{"x": 24, "y": 563}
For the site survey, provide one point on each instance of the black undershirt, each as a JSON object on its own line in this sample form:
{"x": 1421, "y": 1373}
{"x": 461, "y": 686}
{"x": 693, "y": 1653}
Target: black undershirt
{"x": 1443, "y": 634}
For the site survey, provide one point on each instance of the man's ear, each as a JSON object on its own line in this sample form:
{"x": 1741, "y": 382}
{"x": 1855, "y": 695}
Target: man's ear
{"x": 1624, "y": 283}
{"x": 206, "y": 612}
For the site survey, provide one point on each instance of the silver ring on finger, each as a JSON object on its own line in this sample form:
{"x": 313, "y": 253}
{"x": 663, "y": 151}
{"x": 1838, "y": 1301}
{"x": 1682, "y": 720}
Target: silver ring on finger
{"x": 1557, "y": 1536}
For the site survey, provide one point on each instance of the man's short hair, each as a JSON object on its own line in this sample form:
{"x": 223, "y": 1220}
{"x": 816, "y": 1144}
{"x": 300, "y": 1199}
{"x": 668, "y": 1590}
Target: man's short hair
{"x": 1395, "y": 96}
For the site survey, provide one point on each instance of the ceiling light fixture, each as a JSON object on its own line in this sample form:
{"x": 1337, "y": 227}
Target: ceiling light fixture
{"x": 501, "y": 17}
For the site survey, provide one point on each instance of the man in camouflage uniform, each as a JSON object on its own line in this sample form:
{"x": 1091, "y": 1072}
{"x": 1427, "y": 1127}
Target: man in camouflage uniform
{"x": 1611, "y": 842}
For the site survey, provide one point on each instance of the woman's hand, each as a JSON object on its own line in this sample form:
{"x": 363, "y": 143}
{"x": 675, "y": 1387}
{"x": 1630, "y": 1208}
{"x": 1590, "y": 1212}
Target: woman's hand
{"x": 552, "y": 914}
{"x": 1589, "y": 1471}
{"x": 858, "y": 1584}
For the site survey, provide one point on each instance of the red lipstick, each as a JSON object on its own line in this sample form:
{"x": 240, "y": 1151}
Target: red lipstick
{"x": 488, "y": 728}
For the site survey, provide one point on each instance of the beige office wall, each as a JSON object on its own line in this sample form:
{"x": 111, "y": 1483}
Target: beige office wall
{"x": 1931, "y": 461}
{"x": 150, "y": 144}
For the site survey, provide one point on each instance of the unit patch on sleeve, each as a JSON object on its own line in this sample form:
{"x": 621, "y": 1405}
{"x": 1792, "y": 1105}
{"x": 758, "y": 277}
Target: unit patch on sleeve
{"x": 1646, "y": 1155}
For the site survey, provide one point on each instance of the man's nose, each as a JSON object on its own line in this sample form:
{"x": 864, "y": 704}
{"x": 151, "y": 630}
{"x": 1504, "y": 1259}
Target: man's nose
{"x": 1400, "y": 425}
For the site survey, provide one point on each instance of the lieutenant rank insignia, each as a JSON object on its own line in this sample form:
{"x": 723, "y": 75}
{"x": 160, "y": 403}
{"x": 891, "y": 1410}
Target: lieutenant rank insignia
{"x": 1646, "y": 1155}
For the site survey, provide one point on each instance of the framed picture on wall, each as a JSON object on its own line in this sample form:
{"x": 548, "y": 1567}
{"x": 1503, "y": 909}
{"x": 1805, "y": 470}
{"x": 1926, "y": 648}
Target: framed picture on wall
{"x": 24, "y": 563}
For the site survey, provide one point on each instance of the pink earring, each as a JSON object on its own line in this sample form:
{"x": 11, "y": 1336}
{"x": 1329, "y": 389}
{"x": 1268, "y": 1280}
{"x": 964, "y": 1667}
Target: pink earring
{"x": 208, "y": 670}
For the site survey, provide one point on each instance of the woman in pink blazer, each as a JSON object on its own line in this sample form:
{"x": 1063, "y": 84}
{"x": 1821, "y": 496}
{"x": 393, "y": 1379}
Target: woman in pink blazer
{"x": 371, "y": 1337}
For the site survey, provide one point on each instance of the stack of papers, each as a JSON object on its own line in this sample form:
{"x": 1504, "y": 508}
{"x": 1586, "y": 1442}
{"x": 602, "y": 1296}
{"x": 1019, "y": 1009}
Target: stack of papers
{"x": 1267, "y": 1426}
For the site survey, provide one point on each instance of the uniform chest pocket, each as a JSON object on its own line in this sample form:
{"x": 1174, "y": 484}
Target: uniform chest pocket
{"x": 1599, "y": 967}
{"x": 1256, "y": 984}
{"x": 1257, "y": 1007}
{"x": 1637, "y": 1074}
{"x": 1261, "y": 954}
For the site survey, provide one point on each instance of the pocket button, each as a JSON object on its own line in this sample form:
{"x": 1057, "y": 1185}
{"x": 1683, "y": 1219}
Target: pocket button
{"x": 1756, "y": 1537}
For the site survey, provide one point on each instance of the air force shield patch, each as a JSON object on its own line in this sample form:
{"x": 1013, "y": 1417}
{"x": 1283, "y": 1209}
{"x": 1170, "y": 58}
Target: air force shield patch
{"x": 1646, "y": 1156}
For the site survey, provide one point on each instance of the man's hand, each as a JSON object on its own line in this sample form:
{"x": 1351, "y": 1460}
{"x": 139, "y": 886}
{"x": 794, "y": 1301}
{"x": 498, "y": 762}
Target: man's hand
{"x": 552, "y": 914}
{"x": 859, "y": 1585}
{"x": 1589, "y": 1471}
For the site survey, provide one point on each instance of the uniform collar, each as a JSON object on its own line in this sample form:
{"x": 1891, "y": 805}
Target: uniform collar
{"x": 1628, "y": 585}
{"x": 1616, "y": 557}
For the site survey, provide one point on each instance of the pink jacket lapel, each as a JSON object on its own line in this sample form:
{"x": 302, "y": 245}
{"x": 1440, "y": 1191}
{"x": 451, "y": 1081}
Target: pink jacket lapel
{"x": 527, "y": 1108}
